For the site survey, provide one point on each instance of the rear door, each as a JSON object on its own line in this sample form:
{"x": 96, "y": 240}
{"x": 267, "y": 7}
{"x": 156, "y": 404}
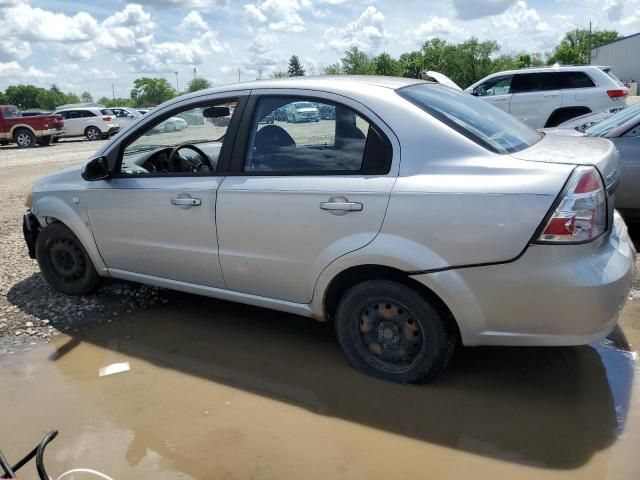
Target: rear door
{"x": 301, "y": 195}
{"x": 577, "y": 89}
{"x": 535, "y": 97}
{"x": 74, "y": 122}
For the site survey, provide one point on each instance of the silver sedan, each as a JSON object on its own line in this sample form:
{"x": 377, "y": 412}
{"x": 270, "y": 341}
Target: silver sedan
{"x": 415, "y": 218}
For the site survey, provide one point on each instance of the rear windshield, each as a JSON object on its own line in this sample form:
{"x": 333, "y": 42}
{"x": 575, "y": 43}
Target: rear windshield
{"x": 476, "y": 119}
{"x": 605, "y": 126}
{"x": 614, "y": 77}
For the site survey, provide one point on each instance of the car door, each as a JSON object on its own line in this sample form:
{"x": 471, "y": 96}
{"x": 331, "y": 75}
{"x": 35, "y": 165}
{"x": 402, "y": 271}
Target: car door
{"x": 535, "y": 97}
{"x": 628, "y": 146}
{"x": 156, "y": 217}
{"x": 496, "y": 91}
{"x": 73, "y": 123}
{"x": 301, "y": 195}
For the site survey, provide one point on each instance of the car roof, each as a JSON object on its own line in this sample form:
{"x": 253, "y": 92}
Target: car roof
{"x": 80, "y": 108}
{"x": 552, "y": 68}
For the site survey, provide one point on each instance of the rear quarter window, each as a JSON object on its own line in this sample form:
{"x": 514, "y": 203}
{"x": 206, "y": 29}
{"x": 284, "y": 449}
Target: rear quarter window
{"x": 476, "y": 119}
{"x": 568, "y": 80}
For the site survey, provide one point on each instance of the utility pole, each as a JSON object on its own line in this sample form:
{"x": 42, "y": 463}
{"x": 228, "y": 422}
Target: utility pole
{"x": 113, "y": 94}
{"x": 177, "y": 86}
{"x": 260, "y": 74}
{"x": 238, "y": 75}
{"x": 589, "y": 42}
{"x": 194, "y": 73}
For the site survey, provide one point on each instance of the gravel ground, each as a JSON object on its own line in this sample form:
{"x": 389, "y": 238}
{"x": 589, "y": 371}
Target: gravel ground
{"x": 30, "y": 310}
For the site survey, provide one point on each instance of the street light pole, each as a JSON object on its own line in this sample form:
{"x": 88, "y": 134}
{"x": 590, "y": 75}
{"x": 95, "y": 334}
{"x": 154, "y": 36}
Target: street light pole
{"x": 177, "y": 86}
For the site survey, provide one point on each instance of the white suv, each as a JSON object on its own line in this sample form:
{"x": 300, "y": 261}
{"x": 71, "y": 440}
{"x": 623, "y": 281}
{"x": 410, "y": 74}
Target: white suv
{"x": 94, "y": 123}
{"x": 548, "y": 96}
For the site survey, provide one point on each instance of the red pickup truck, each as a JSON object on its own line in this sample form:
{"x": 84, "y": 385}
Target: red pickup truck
{"x": 27, "y": 131}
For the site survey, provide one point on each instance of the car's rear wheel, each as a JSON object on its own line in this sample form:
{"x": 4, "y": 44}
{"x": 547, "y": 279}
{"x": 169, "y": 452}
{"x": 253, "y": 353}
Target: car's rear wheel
{"x": 45, "y": 141}
{"x": 64, "y": 262}
{"x": 93, "y": 133}
{"x": 392, "y": 332}
{"x": 24, "y": 138}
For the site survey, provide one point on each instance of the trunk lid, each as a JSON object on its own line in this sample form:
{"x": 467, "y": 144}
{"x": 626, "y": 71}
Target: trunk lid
{"x": 576, "y": 150}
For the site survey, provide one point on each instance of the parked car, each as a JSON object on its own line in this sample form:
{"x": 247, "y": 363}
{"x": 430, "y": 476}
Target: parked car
{"x": 420, "y": 218}
{"x": 327, "y": 112}
{"x": 223, "y": 120}
{"x": 267, "y": 119}
{"x": 587, "y": 120}
{"x": 35, "y": 113}
{"x": 192, "y": 118}
{"x": 548, "y": 96}
{"x": 28, "y": 131}
{"x": 142, "y": 111}
{"x": 623, "y": 129}
{"x": 302, "y": 112}
{"x": 125, "y": 115}
{"x": 172, "y": 124}
{"x": 94, "y": 123}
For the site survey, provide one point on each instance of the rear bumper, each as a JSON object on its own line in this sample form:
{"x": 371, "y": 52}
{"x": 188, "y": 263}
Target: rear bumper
{"x": 551, "y": 295}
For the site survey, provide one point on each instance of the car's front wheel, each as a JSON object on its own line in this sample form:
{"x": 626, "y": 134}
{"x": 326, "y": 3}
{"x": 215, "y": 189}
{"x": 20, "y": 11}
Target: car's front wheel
{"x": 24, "y": 138}
{"x": 64, "y": 262}
{"x": 93, "y": 133}
{"x": 390, "y": 331}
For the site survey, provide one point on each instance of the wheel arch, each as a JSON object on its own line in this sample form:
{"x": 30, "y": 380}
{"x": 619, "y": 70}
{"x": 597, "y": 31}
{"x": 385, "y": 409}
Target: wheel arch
{"x": 21, "y": 126}
{"x": 353, "y": 275}
{"x": 558, "y": 112}
{"x": 51, "y": 209}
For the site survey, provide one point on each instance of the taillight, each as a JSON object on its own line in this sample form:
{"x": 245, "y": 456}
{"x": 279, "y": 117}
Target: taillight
{"x": 581, "y": 214}
{"x": 106, "y": 118}
{"x": 617, "y": 93}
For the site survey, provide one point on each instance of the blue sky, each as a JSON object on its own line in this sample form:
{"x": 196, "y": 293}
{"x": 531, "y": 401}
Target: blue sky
{"x": 92, "y": 45}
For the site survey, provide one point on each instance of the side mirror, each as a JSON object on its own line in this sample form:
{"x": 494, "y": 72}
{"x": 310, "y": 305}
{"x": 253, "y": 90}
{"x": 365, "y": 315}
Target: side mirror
{"x": 216, "y": 112}
{"x": 96, "y": 169}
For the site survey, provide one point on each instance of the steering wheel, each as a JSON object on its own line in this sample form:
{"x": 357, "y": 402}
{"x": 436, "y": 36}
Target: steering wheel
{"x": 173, "y": 158}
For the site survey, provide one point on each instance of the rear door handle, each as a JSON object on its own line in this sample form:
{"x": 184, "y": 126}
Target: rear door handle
{"x": 186, "y": 202}
{"x": 341, "y": 207}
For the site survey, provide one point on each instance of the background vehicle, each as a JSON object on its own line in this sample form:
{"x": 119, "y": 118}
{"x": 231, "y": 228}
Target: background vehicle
{"x": 192, "y": 117}
{"x": 498, "y": 235}
{"x": 143, "y": 110}
{"x": 27, "y": 131}
{"x": 623, "y": 129}
{"x": 548, "y": 96}
{"x": 172, "y": 124}
{"x": 587, "y": 120}
{"x": 35, "y": 113}
{"x": 94, "y": 123}
{"x": 302, "y": 112}
{"x": 125, "y": 115}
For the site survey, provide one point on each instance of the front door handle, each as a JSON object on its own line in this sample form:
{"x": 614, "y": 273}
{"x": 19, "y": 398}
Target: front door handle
{"x": 186, "y": 202}
{"x": 341, "y": 206}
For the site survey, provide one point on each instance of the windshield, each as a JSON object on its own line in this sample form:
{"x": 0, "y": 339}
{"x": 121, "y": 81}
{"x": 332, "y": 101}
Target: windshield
{"x": 476, "y": 119}
{"x": 605, "y": 126}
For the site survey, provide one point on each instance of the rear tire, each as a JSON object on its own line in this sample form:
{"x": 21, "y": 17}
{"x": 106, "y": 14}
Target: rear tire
{"x": 24, "y": 138}
{"x": 93, "y": 133}
{"x": 390, "y": 331}
{"x": 64, "y": 262}
{"x": 45, "y": 141}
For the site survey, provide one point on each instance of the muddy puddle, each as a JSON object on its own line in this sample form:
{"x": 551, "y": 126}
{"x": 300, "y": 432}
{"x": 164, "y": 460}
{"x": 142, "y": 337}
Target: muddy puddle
{"x": 212, "y": 390}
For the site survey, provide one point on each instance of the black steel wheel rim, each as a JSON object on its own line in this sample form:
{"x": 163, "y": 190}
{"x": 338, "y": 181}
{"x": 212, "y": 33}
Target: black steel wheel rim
{"x": 67, "y": 260}
{"x": 388, "y": 336}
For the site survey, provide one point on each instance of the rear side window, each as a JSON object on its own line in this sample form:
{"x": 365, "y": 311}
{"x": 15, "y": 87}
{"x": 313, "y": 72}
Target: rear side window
{"x": 476, "y": 119}
{"x": 534, "y": 82}
{"x": 303, "y": 136}
{"x": 574, "y": 80}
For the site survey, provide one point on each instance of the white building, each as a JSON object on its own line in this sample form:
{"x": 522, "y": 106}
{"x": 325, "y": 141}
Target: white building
{"x": 623, "y": 55}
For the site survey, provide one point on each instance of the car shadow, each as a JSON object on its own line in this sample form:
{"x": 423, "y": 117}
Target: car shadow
{"x": 549, "y": 407}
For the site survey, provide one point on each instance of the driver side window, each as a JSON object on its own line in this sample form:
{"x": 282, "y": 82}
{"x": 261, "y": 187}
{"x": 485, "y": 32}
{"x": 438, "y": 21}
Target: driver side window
{"x": 189, "y": 141}
{"x": 495, "y": 86}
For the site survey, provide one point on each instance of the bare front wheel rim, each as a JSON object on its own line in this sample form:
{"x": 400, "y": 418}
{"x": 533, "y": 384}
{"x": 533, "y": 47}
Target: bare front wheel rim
{"x": 23, "y": 139}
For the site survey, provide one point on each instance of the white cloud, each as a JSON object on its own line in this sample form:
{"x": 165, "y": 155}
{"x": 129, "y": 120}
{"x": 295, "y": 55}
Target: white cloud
{"x": 614, "y": 9}
{"x": 521, "y": 28}
{"x": 14, "y": 49}
{"x": 13, "y": 71}
{"x": 438, "y": 27}
{"x": 367, "y": 33}
{"x": 193, "y": 21}
{"x": 204, "y": 5}
{"x": 470, "y": 9}
{"x": 281, "y": 15}
{"x": 35, "y": 24}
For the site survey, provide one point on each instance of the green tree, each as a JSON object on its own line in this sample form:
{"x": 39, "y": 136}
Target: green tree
{"x": 24, "y": 96}
{"x": 198, "y": 84}
{"x": 575, "y": 47}
{"x": 356, "y": 62}
{"x": 295, "y": 68}
{"x": 279, "y": 74}
{"x": 410, "y": 64}
{"x": 333, "y": 69}
{"x": 86, "y": 97}
{"x": 117, "y": 102}
{"x": 385, "y": 64}
{"x": 148, "y": 92}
